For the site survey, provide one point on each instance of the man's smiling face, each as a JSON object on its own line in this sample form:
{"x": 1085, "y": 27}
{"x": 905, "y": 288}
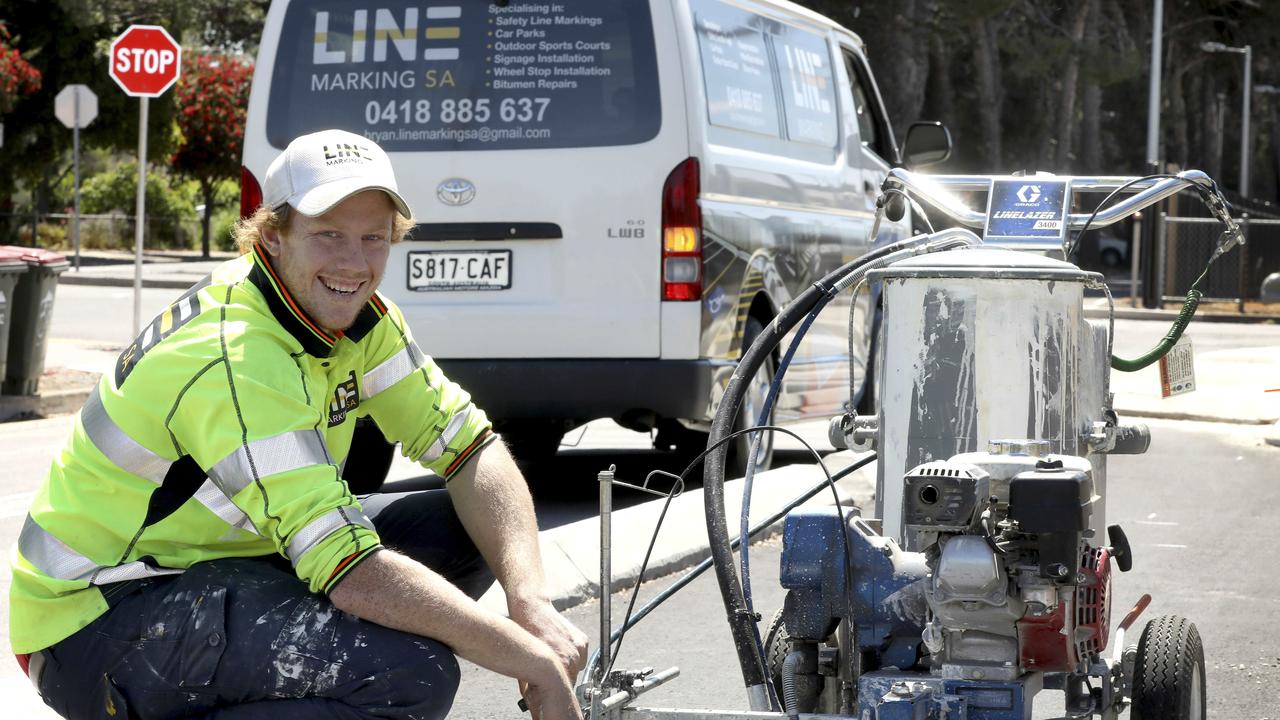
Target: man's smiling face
{"x": 333, "y": 263}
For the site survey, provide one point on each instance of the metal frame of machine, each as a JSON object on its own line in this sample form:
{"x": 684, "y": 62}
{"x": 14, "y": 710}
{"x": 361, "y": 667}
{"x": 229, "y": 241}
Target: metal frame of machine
{"x": 987, "y": 576}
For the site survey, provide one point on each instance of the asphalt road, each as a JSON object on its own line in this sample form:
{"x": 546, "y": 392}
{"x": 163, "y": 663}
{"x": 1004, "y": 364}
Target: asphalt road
{"x": 1199, "y": 513}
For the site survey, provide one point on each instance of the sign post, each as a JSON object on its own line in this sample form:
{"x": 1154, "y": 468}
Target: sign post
{"x": 76, "y": 106}
{"x": 145, "y": 62}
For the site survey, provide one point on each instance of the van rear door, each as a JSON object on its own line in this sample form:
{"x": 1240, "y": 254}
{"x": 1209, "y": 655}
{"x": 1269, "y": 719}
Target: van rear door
{"x": 531, "y": 140}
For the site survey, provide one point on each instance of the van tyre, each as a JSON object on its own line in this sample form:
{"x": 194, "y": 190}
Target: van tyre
{"x": 369, "y": 459}
{"x": 749, "y": 412}
{"x": 1168, "y": 672}
{"x": 531, "y": 441}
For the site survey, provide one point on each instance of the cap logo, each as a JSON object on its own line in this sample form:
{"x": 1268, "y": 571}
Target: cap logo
{"x": 346, "y": 152}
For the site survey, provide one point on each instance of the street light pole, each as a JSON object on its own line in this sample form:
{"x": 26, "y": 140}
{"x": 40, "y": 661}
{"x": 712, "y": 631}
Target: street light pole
{"x": 1153, "y": 90}
{"x": 1147, "y": 255}
{"x": 1244, "y": 131}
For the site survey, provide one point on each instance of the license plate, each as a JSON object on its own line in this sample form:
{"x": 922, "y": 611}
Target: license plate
{"x": 460, "y": 270}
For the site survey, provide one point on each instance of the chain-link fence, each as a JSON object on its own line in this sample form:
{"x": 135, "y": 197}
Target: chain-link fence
{"x": 1189, "y": 242}
{"x": 98, "y": 232}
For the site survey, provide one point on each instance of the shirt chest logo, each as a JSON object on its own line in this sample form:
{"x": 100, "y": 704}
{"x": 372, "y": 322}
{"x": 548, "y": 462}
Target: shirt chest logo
{"x": 346, "y": 397}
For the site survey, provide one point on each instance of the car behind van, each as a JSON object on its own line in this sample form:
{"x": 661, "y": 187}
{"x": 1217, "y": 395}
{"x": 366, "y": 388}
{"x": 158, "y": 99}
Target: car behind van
{"x": 612, "y": 198}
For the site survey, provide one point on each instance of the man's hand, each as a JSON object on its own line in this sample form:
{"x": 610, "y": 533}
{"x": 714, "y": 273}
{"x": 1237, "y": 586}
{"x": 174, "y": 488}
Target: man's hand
{"x": 551, "y": 699}
{"x": 541, "y": 620}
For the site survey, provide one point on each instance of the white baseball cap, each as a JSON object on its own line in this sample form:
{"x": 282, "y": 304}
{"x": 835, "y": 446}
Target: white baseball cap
{"x": 320, "y": 170}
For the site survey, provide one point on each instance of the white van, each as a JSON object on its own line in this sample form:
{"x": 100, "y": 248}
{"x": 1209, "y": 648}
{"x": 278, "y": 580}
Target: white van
{"x": 612, "y": 197}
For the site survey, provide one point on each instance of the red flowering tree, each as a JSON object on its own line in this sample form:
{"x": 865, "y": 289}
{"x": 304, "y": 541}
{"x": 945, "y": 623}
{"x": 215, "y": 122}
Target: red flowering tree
{"x": 17, "y": 77}
{"x": 212, "y": 98}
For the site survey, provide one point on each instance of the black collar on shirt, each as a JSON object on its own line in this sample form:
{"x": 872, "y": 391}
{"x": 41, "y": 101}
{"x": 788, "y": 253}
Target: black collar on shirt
{"x": 315, "y": 340}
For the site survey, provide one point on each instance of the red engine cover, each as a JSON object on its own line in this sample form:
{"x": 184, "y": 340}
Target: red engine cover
{"x": 1076, "y": 630}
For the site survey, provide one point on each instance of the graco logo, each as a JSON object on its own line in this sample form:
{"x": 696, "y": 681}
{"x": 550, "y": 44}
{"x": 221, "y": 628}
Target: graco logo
{"x": 346, "y": 397}
{"x": 1029, "y": 193}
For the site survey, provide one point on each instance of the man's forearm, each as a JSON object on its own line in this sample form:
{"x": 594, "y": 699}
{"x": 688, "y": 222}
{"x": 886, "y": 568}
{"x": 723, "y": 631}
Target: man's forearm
{"x": 492, "y": 500}
{"x": 397, "y": 592}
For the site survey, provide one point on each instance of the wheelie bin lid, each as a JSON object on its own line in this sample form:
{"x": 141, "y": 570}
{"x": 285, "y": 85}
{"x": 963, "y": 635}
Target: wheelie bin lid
{"x": 37, "y": 257}
{"x": 11, "y": 261}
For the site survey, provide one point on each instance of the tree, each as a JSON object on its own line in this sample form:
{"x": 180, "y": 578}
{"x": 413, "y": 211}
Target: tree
{"x": 17, "y": 77}
{"x": 67, "y": 42}
{"x": 212, "y": 97}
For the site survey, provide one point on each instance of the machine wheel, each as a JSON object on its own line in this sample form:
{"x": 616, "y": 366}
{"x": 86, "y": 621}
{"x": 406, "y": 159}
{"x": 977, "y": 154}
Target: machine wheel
{"x": 749, "y": 412}
{"x": 775, "y": 650}
{"x": 1168, "y": 673}
{"x": 369, "y": 459}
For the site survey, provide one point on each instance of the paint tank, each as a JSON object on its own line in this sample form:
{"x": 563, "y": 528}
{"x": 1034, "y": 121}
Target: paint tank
{"x": 980, "y": 345}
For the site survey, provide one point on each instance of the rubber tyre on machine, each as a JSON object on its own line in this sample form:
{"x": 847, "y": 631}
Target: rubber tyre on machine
{"x": 776, "y": 647}
{"x": 1168, "y": 672}
{"x": 369, "y": 459}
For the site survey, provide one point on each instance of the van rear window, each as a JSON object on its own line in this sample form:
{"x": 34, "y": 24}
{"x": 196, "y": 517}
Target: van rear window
{"x": 467, "y": 76}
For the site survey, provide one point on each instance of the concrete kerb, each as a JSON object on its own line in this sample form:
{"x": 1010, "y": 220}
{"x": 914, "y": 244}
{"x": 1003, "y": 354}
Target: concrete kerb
{"x": 60, "y": 402}
{"x": 105, "y": 281}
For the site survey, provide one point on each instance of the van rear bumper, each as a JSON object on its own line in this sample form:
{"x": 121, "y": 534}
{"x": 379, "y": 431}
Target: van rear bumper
{"x": 587, "y": 389}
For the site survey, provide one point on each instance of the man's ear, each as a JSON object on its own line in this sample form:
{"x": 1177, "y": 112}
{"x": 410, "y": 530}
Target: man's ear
{"x": 270, "y": 240}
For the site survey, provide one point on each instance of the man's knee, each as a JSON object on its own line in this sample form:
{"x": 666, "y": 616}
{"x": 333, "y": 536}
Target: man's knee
{"x": 422, "y": 688}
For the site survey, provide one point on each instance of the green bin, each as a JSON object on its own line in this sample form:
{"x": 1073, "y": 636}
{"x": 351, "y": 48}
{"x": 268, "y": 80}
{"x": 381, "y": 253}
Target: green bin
{"x": 32, "y": 315}
{"x": 12, "y": 267}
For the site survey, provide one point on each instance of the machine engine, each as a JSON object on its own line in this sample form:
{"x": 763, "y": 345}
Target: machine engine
{"x": 1008, "y": 587}
{"x": 1015, "y": 583}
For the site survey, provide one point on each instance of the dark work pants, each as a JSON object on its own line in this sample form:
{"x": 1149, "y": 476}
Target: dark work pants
{"x": 244, "y": 639}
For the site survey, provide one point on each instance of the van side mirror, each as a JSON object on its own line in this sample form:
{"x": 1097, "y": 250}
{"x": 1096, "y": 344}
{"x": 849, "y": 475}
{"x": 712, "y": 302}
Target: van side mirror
{"x": 928, "y": 143}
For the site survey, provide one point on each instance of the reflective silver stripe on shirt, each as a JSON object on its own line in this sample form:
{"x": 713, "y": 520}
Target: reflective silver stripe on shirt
{"x": 322, "y": 527}
{"x": 53, "y": 558}
{"x": 112, "y": 441}
{"x": 456, "y": 423}
{"x": 282, "y": 453}
{"x": 393, "y": 370}
{"x": 219, "y": 504}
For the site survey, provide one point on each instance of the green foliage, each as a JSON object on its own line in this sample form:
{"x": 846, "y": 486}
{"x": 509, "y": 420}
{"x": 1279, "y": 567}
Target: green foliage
{"x": 117, "y": 191}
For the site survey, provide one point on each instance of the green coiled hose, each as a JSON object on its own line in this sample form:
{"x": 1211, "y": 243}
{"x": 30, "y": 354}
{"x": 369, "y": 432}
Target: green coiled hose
{"x": 1170, "y": 339}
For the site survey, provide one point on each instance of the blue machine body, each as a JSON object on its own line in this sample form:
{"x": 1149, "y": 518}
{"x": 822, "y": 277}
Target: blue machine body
{"x": 887, "y": 612}
{"x": 883, "y": 598}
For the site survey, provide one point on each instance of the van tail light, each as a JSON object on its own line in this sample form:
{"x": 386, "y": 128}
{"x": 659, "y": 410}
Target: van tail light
{"x": 250, "y": 193}
{"x": 682, "y": 234}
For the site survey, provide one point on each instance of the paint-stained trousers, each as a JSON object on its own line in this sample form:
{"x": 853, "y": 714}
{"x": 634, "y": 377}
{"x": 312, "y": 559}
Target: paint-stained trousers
{"x": 244, "y": 639}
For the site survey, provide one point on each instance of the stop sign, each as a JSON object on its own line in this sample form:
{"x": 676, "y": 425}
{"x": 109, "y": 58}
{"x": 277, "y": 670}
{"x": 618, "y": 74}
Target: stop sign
{"x": 145, "y": 61}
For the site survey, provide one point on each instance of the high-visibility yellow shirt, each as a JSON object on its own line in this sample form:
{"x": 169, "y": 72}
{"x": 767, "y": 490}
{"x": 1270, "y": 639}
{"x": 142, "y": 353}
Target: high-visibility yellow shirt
{"x": 222, "y": 433}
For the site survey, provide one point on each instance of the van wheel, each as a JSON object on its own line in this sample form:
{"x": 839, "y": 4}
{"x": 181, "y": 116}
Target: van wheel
{"x": 531, "y": 441}
{"x": 749, "y": 412}
{"x": 369, "y": 459}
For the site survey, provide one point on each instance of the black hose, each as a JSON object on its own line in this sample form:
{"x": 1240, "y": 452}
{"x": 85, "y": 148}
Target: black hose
{"x": 742, "y": 625}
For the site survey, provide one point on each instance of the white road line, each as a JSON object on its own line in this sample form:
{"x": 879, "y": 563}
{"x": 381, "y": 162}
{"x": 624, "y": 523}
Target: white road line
{"x": 1167, "y": 545}
{"x": 1156, "y": 522}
